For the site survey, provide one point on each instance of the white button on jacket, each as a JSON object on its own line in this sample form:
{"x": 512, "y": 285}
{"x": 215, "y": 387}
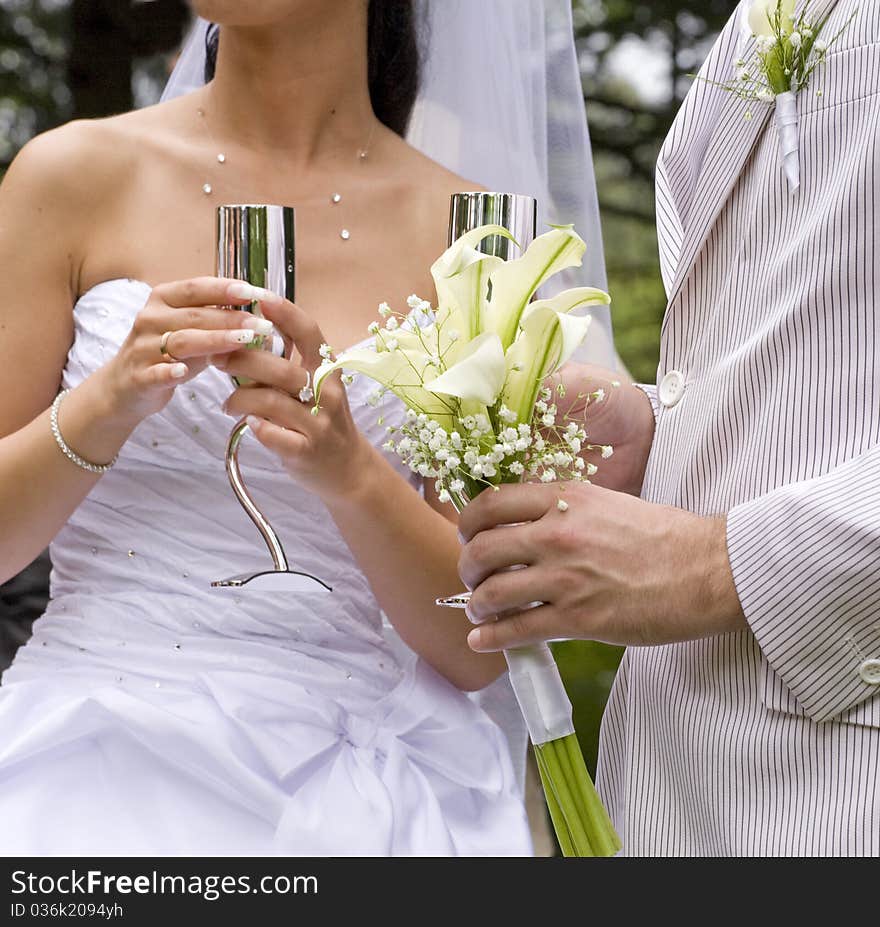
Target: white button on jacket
{"x": 870, "y": 672}
{"x": 671, "y": 388}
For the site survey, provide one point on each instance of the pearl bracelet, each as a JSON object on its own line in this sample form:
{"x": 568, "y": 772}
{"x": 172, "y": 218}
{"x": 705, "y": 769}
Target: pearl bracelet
{"x": 68, "y": 453}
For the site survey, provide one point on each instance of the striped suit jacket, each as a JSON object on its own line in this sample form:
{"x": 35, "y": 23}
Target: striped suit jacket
{"x": 767, "y": 742}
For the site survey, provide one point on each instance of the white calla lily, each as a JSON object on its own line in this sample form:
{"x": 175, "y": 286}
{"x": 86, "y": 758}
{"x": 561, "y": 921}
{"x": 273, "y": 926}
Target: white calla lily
{"x": 762, "y": 15}
{"x": 477, "y": 364}
{"x": 547, "y": 341}
{"x": 478, "y": 374}
{"x": 461, "y": 279}
{"x": 401, "y": 371}
{"x": 515, "y": 282}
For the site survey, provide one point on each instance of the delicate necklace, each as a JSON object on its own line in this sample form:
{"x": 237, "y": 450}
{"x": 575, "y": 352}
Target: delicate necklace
{"x": 335, "y": 198}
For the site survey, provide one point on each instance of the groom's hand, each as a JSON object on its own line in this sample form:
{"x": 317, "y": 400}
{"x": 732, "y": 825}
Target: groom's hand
{"x": 614, "y": 412}
{"x": 610, "y": 568}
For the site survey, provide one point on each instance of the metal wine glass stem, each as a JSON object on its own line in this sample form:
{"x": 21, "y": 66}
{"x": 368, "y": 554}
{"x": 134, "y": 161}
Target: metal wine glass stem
{"x": 236, "y": 481}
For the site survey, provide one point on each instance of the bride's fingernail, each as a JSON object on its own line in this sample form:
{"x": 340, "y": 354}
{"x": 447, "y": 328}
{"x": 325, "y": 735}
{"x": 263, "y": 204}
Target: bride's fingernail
{"x": 247, "y": 291}
{"x": 244, "y": 336}
{"x": 179, "y": 371}
{"x": 260, "y": 326}
{"x": 473, "y": 639}
{"x": 253, "y": 422}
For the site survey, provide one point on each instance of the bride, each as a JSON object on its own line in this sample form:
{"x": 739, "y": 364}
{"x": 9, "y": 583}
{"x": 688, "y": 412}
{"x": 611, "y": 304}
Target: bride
{"x": 150, "y": 714}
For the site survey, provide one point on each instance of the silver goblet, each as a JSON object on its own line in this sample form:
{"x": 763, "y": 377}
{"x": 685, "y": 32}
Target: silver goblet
{"x": 257, "y": 244}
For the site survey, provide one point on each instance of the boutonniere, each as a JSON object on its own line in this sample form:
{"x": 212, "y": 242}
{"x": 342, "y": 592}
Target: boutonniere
{"x": 788, "y": 48}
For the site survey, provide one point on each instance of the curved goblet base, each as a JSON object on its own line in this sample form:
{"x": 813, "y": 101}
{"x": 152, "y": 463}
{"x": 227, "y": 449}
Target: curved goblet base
{"x": 273, "y": 581}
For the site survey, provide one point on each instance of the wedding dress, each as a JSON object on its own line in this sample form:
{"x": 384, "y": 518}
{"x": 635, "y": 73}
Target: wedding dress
{"x": 151, "y": 714}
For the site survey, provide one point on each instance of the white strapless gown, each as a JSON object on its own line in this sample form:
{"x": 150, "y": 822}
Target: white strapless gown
{"x": 152, "y": 715}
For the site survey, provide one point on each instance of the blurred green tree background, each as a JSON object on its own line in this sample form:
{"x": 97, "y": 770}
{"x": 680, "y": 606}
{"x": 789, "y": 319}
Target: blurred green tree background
{"x": 64, "y": 59}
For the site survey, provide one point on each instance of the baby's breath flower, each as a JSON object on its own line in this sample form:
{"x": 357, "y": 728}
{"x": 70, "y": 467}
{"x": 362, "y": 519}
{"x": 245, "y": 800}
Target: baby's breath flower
{"x": 453, "y": 334}
{"x": 444, "y": 496}
{"x": 392, "y": 343}
{"x": 548, "y": 476}
{"x": 392, "y": 324}
{"x": 607, "y": 451}
{"x": 516, "y": 468}
{"x": 506, "y": 415}
{"x": 384, "y": 310}
{"x": 326, "y": 352}
{"x": 562, "y": 505}
{"x": 348, "y": 378}
{"x": 548, "y": 419}
{"x": 373, "y": 328}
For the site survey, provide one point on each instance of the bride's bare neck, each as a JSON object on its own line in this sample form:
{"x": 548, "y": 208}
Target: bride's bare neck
{"x": 298, "y": 86}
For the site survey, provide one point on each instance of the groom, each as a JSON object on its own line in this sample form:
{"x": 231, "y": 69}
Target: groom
{"x": 745, "y": 719}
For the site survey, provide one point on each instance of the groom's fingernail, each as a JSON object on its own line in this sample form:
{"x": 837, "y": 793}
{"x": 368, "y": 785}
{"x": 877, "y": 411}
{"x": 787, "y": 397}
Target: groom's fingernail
{"x": 473, "y": 639}
{"x": 470, "y": 614}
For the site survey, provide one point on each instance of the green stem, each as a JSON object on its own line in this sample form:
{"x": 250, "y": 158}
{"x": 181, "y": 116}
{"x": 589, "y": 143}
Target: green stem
{"x": 572, "y": 787}
{"x": 601, "y": 828}
{"x": 563, "y": 835}
{"x": 582, "y": 825}
{"x": 565, "y": 799}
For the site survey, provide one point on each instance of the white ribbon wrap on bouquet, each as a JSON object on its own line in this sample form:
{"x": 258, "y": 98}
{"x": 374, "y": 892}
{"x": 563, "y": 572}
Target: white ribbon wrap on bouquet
{"x": 788, "y": 127}
{"x": 542, "y": 698}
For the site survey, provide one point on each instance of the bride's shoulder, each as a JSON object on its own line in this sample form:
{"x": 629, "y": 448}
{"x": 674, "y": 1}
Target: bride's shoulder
{"x": 73, "y": 163}
{"x": 85, "y": 160}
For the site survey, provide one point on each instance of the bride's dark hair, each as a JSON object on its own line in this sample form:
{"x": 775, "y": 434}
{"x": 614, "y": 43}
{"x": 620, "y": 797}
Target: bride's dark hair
{"x": 393, "y": 60}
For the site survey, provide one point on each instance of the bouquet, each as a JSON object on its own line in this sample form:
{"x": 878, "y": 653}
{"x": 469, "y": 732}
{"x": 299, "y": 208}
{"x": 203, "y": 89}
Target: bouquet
{"x": 473, "y": 373}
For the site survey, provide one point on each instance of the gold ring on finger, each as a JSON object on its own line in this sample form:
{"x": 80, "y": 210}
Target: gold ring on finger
{"x": 163, "y": 348}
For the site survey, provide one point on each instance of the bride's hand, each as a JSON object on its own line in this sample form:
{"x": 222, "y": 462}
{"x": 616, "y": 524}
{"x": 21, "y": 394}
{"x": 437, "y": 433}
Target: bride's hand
{"x": 325, "y": 453}
{"x": 183, "y": 319}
